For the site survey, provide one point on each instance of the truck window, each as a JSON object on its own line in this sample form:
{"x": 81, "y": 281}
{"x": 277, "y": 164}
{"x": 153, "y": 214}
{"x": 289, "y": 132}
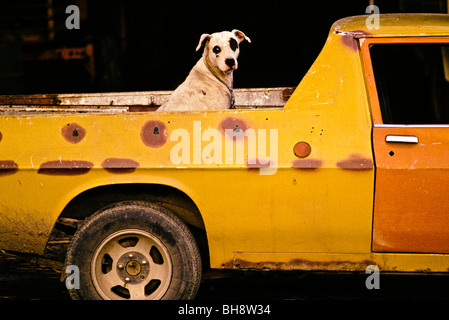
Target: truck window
{"x": 412, "y": 82}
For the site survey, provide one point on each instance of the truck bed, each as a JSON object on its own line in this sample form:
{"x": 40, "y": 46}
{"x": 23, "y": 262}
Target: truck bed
{"x": 117, "y": 102}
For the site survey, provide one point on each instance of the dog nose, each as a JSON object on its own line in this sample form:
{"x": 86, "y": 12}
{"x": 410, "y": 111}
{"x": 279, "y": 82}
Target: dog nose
{"x": 230, "y": 63}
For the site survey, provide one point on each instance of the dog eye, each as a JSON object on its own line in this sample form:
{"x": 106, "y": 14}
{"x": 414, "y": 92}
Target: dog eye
{"x": 216, "y": 49}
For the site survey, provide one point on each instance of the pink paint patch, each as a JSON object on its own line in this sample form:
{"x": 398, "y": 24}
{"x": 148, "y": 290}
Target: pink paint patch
{"x": 8, "y": 167}
{"x": 307, "y": 164}
{"x": 73, "y": 132}
{"x": 120, "y": 166}
{"x": 154, "y": 134}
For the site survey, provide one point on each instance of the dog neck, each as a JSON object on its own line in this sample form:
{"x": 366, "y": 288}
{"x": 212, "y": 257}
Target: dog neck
{"x": 221, "y": 77}
{"x": 226, "y": 79}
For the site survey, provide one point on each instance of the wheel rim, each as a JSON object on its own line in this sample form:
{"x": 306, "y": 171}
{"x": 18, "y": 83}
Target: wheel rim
{"x": 131, "y": 264}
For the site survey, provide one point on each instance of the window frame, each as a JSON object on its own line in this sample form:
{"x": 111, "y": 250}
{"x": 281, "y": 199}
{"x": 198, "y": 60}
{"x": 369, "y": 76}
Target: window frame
{"x": 365, "y": 45}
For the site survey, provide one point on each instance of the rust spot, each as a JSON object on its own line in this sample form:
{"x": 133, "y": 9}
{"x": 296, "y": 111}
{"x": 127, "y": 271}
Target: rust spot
{"x": 65, "y": 167}
{"x": 35, "y": 99}
{"x": 1, "y": 136}
{"x": 356, "y": 162}
{"x": 349, "y": 41}
{"x": 8, "y": 167}
{"x": 349, "y": 38}
{"x": 308, "y": 164}
{"x": 142, "y": 108}
{"x": 287, "y": 93}
{"x": 73, "y": 132}
{"x": 118, "y": 165}
{"x": 154, "y": 134}
{"x": 233, "y": 127}
{"x": 298, "y": 264}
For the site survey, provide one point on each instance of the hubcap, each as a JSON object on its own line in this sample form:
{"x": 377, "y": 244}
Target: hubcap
{"x": 131, "y": 264}
{"x": 133, "y": 267}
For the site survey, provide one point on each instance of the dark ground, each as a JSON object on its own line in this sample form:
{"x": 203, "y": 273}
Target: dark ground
{"x": 22, "y": 279}
{"x": 30, "y": 278}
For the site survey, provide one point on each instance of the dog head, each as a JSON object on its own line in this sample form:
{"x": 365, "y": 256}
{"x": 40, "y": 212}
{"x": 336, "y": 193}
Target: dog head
{"x": 223, "y": 48}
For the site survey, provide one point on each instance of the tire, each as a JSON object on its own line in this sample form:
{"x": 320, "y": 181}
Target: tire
{"x": 134, "y": 251}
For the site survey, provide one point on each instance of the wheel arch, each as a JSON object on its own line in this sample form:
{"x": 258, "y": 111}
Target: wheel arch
{"x": 89, "y": 201}
{"x": 179, "y": 203}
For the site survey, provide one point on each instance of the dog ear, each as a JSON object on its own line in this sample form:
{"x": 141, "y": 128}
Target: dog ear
{"x": 240, "y": 35}
{"x": 203, "y": 40}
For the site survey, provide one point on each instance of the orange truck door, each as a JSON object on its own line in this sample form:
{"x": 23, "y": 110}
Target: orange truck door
{"x": 408, "y": 81}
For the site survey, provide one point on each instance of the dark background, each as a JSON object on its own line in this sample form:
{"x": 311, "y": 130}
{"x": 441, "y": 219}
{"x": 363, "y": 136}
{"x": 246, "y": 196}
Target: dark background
{"x": 148, "y": 45}
{"x": 142, "y": 45}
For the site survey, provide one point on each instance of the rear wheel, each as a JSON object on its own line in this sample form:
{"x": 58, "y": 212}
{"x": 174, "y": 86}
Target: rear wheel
{"x": 135, "y": 250}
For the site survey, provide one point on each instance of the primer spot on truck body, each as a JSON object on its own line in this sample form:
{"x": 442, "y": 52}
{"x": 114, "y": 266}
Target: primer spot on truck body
{"x": 119, "y": 165}
{"x": 233, "y": 126}
{"x": 73, "y": 132}
{"x": 309, "y": 164}
{"x": 65, "y": 167}
{"x": 349, "y": 38}
{"x": 356, "y": 162}
{"x": 154, "y": 134}
{"x": 8, "y": 167}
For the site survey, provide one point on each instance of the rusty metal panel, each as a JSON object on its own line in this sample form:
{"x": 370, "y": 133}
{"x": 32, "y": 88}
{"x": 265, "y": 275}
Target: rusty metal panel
{"x": 35, "y": 110}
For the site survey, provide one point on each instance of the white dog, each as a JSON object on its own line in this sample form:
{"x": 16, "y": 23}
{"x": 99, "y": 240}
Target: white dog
{"x": 209, "y": 84}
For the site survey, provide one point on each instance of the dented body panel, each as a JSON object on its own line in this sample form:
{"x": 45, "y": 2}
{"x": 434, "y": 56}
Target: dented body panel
{"x": 262, "y": 205}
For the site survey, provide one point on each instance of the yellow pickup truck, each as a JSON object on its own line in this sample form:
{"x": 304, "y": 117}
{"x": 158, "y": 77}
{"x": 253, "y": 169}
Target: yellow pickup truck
{"x": 348, "y": 170}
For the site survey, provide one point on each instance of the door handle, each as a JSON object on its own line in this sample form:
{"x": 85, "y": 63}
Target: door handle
{"x": 401, "y": 139}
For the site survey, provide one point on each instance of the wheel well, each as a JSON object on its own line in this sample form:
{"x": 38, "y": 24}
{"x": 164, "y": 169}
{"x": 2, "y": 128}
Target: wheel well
{"x": 173, "y": 199}
{"x": 90, "y": 201}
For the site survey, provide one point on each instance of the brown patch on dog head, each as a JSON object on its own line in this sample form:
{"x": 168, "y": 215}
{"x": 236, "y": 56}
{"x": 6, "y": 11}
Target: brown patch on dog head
{"x": 120, "y": 166}
{"x": 154, "y": 134}
{"x": 8, "y": 167}
{"x": 65, "y": 167}
{"x": 73, "y": 132}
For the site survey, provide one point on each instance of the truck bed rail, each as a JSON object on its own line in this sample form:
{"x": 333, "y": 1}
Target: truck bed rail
{"x": 139, "y": 101}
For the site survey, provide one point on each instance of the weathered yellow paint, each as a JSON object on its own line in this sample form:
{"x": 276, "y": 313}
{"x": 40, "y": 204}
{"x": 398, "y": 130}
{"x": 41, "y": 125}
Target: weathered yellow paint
{"x": 310, "y": 213}
{"x": 396, "y": 25}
